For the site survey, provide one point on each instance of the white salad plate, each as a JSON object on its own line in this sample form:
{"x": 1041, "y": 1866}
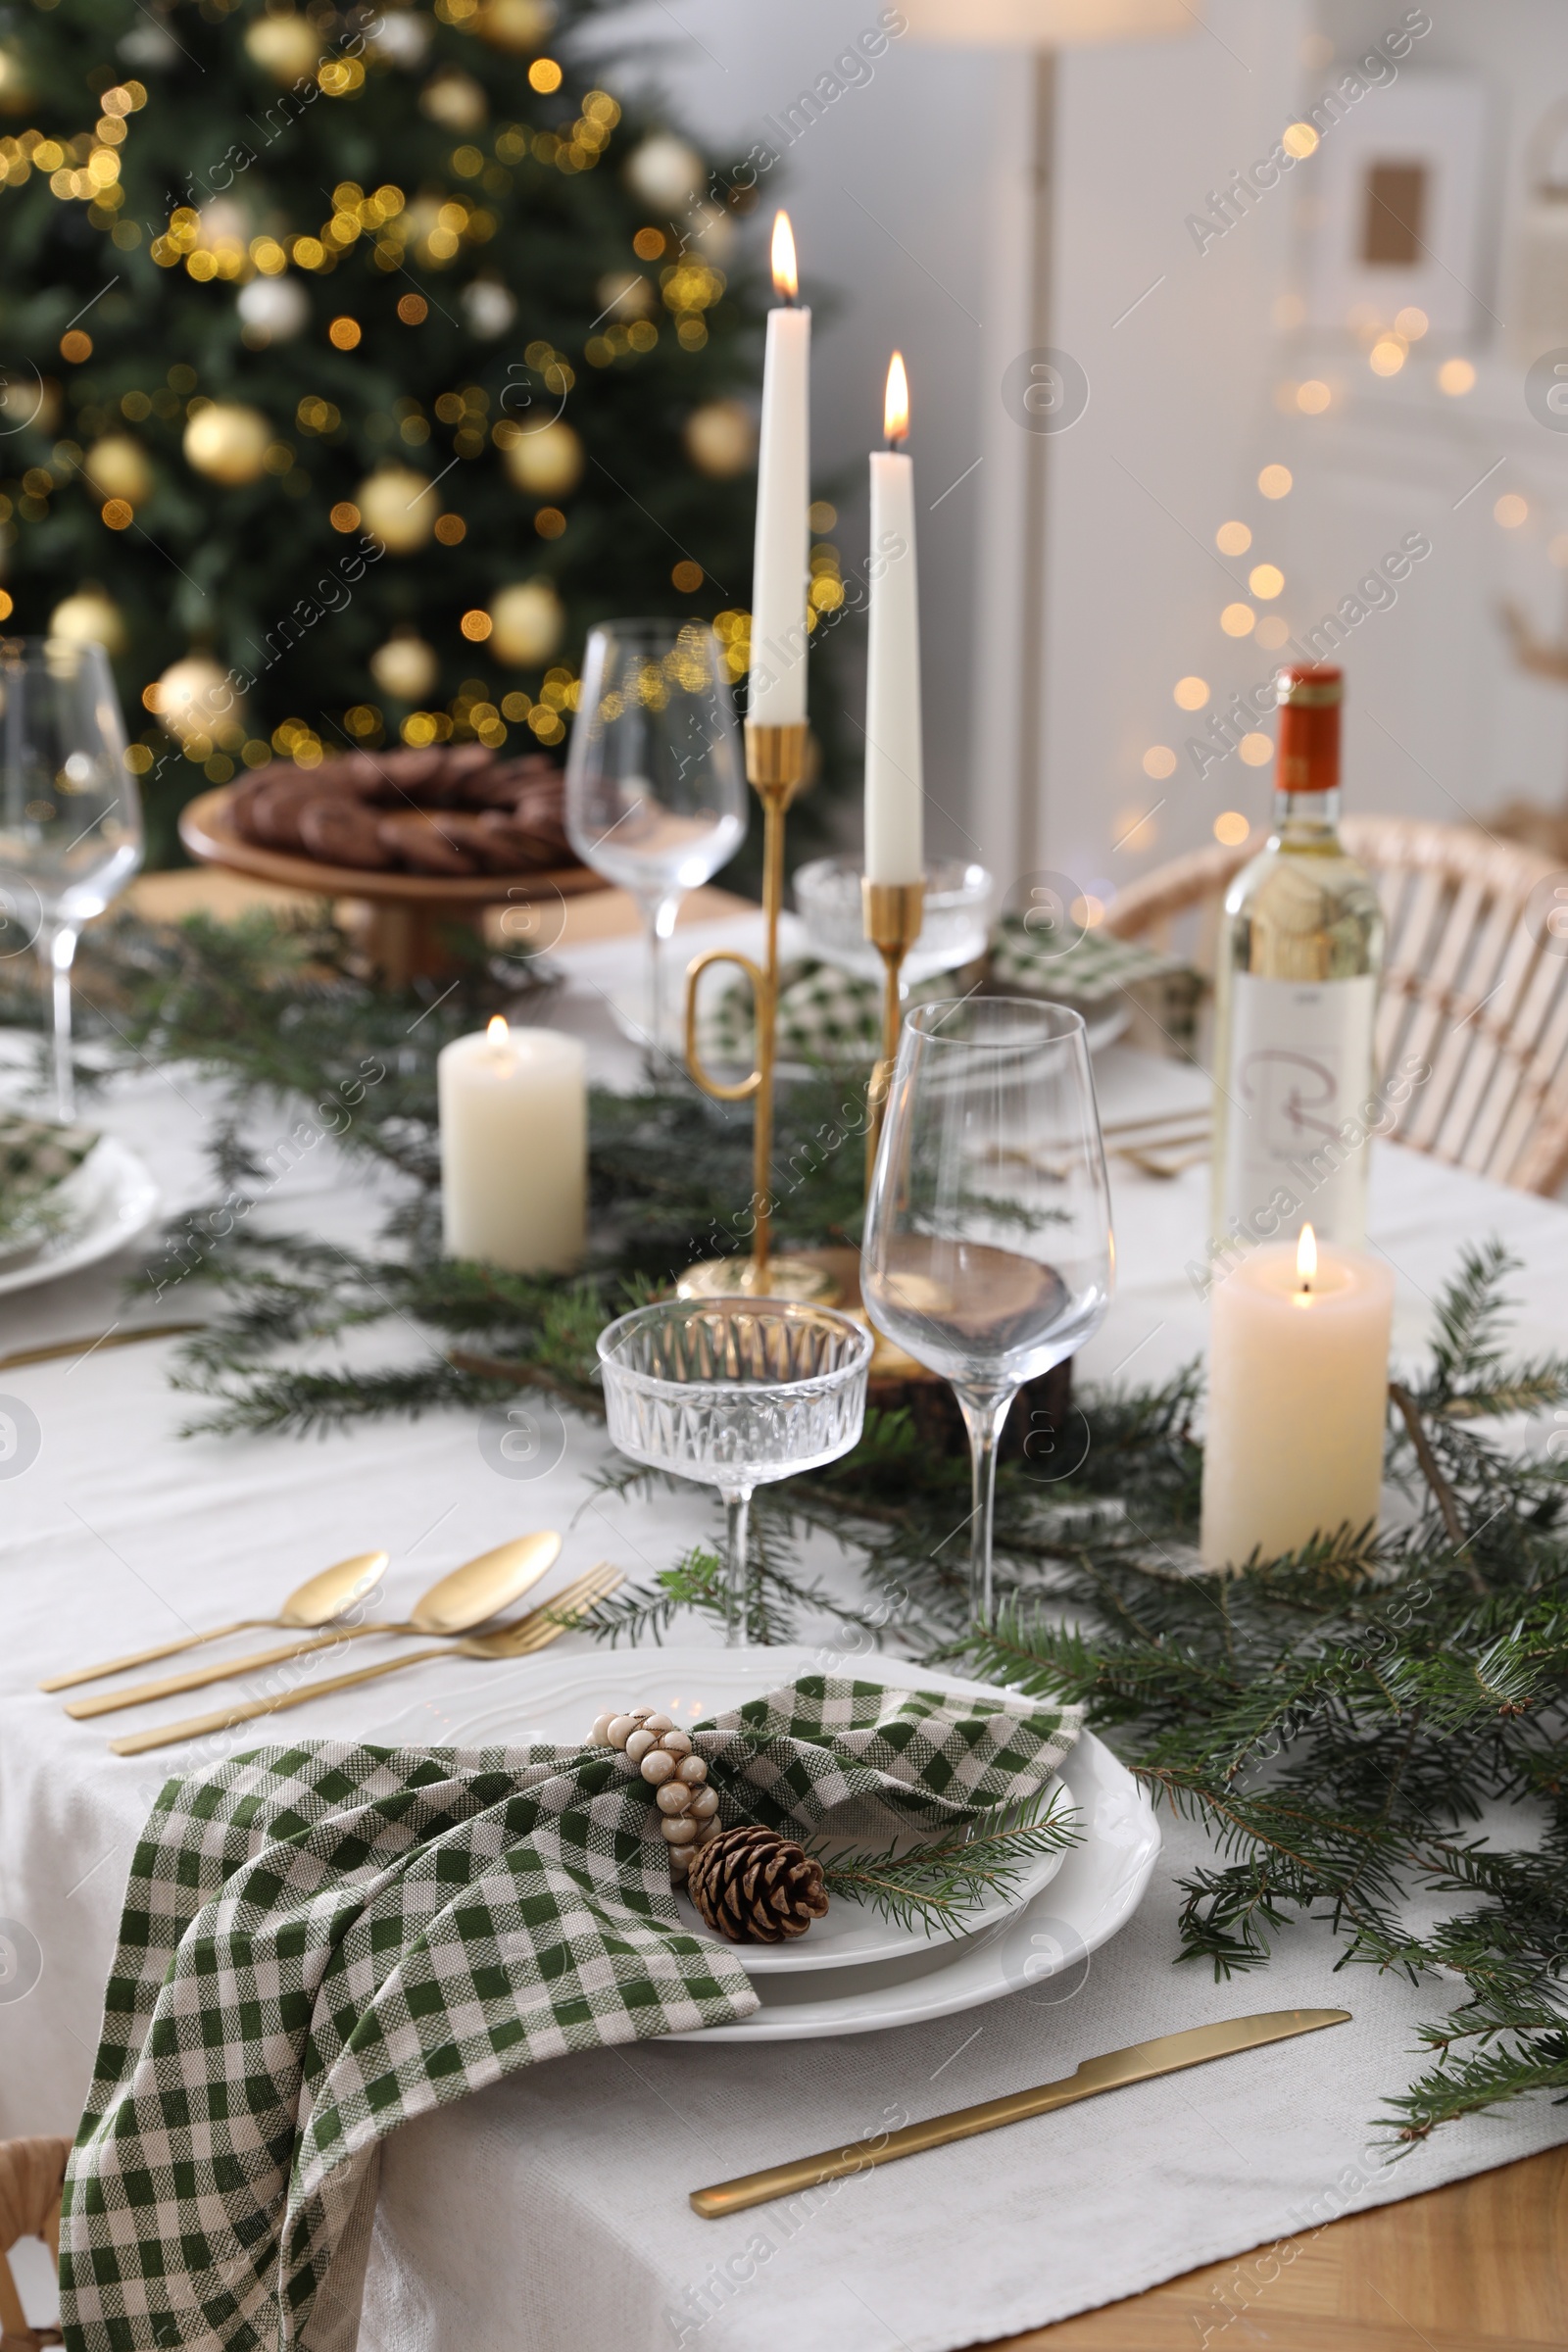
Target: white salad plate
{"x": 1090, "y": 1893}
{"x": 105, "y": 1202}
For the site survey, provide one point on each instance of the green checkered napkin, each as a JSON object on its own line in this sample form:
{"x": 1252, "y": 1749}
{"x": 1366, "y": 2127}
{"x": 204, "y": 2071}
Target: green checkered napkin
{"x": 825, "y": 1014}
{"x": 834, "y": 1017}
{"x": 36, "y": 1156}
{"x": 1090, "y": 971}
{"x": 321, "y": 1941}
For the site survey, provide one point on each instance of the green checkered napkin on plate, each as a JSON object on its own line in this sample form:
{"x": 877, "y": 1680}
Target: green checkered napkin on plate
{"x": 834, "y": 1017}
{"x": 1090, "y": 973}
{"x": 36, "y": 1156}
{"x": 319, "y": 1942}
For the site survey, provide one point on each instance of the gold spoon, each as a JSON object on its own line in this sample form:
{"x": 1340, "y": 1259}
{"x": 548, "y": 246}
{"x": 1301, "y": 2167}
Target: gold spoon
{"x": 316, "y": 1601}
{"x": 471, "y": 1594}
{"x": 541, "y": 1626}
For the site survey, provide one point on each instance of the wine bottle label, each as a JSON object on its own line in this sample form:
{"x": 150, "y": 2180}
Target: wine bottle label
{"x": 1301, "y": 1071}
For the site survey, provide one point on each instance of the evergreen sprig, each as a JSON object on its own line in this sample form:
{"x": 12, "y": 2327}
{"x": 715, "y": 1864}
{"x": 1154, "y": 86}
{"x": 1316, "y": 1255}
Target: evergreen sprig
{"x": 1338, "y": 1720}
{"x": 947, "y": 1885}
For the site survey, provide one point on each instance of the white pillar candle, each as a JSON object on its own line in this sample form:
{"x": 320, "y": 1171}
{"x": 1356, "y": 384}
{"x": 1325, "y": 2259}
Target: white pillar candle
{"x": 513, "y": 1108}
{"x": 1298, "y": 1395}
{"x": 895, "y": 788}
{"x": 781, "y": 559}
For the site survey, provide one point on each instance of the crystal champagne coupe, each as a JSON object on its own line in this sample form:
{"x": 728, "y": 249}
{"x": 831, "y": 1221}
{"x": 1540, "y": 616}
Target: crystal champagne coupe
{"x": 69, "y": 813}
{"x": 988, "y": 1249}
{"x": 656, "y": 786}
{"x": 735, "y": 1392}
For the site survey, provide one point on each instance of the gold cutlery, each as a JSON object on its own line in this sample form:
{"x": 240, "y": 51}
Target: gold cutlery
{"x": 1159, "y": 1135}
{"x": 469, "y": 1597}
{"x": 1165, "y": 1159}
{"x": 537, "y": 1631}
{"x": 90, "y": 1346}
{"x": 1167, "y": 2054}
{"x": 318, "y": 1601}
{"x": 1199, "y": 1116}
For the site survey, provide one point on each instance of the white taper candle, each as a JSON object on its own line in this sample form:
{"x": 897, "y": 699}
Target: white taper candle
{"x": 777, "y": 696}
{"x": 895, "y": 789}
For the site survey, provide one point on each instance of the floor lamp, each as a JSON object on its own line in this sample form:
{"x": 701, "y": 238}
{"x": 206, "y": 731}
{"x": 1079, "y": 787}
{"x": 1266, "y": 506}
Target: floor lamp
{"x": 1040, "y": 27}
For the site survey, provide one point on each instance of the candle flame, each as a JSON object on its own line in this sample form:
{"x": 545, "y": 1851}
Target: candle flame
{"x": 895, "y": 405}
{"x": 786, "y": 276}
{"x": 498, "y": 1033}
{"x": 1307, "y": 1258}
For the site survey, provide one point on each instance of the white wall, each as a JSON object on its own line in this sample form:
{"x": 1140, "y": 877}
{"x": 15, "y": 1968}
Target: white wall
{"x": 890, "y": 197}
{"x": 1163, "y": 455}
{"x": 911, "y": 200}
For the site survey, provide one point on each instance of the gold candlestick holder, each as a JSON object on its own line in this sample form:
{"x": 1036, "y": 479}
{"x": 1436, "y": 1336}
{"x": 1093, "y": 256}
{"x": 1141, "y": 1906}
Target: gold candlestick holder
{"x": 893, "y": 912}
{"x": 775, "y": 763}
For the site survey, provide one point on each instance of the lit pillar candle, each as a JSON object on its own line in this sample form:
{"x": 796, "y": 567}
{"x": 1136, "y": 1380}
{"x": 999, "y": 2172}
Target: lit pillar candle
{"x": 895, "y": 795}
{"x": 514, "y": 1110}
{"x": 778, "y": 694}
{"x": 1297, "y": 1394}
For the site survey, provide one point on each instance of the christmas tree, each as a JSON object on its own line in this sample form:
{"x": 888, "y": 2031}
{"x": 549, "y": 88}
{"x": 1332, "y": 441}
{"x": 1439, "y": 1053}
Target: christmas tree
{"x": 355, "y": 362}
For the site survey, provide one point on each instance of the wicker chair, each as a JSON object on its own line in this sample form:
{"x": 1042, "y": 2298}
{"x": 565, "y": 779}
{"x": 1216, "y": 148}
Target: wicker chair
{"x": 1474, "y": 982}
{"x": 31, "y": 2175}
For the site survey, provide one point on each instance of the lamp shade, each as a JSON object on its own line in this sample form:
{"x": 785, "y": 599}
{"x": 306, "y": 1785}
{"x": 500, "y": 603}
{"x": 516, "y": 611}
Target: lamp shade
{"x": 1044, "y": 23}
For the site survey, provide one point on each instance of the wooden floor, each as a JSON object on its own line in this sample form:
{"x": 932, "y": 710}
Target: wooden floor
{"x": 1479, "y": 2266}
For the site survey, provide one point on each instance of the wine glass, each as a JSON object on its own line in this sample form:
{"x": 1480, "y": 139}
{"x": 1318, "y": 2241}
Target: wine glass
{"x": 656, "y": 791}
{"x": 69, "y": 813}
{"x": 988, "y": 1251}
{"x": 735, "y": 1392}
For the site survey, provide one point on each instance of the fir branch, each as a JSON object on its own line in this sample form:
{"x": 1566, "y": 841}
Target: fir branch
{"x": 1410, "y": 1415}
{"x": 946, "y": 1885}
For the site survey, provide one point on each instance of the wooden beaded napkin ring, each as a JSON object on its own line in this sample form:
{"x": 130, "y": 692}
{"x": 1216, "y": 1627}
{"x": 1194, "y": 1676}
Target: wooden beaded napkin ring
{"x": 663, "y": 1754}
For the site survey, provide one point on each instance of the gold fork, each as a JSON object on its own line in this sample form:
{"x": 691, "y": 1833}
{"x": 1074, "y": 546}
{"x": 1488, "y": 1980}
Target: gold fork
{"x": 541, "y": 1626}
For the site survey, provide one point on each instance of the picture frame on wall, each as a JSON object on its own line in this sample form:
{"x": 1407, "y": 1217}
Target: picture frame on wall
{"x": 1395, "y": 220}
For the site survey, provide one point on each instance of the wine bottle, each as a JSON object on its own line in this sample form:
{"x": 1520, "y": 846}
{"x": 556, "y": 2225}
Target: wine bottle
{"x": 1300, "y": 946}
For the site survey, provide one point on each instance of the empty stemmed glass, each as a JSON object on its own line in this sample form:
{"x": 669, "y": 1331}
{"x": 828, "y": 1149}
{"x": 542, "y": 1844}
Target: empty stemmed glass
{"x": 735, "y": 1392}
{"x": 987, "y": 1251}
{"x": 69, "y": 813}
{"x": 656, "y": 791}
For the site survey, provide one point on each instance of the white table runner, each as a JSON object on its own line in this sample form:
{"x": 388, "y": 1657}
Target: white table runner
{"x": 550, "y": 2213}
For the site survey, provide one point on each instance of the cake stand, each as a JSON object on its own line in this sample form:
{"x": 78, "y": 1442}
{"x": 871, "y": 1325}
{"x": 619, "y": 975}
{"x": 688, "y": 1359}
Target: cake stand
{"x": 408, "y": 926}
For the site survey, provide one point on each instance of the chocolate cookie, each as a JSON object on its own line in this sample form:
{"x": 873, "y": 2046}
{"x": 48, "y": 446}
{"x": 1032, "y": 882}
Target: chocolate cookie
{"x": 407, "y": 770}
{"x": 354, "y": 773}
{"x": 242, "y": 807}
{"x": 508, "y": 846}
{"x": 423, "y": 843}
{"x": 274, "y": 815}
{"x": 503, "y": 781}
{"x": 467, "y": 759}
{"x": 342, "y": 831}
{"x": 541, "y": 810}
{"x": 462, "y": 829}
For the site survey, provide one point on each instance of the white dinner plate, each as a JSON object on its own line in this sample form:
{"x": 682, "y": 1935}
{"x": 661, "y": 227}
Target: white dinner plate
{"x": 107, "y": 1202}
{"x": 1093, "y": 1893}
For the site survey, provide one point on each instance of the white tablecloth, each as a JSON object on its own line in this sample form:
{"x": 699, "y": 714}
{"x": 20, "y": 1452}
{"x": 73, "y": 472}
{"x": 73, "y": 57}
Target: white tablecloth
{"x": 550, "y": 2213}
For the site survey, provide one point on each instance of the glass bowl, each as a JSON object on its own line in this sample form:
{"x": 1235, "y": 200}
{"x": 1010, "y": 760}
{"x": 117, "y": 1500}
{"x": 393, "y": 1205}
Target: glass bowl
{"x": 734, "y": 1393}
{"x": 955, "y": 930}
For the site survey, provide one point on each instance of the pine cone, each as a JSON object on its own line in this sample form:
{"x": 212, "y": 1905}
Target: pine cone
{"x": 755, "y": 1886}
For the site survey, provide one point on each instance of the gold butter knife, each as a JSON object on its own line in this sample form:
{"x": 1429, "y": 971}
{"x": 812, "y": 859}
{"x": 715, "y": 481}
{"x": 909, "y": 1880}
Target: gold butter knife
{"x": 112, "y": 1338}
{"x": 1167, "y": 2054}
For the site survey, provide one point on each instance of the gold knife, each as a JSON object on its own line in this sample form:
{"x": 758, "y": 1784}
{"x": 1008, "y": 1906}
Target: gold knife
{"x": 1167, "y": 2054}
{"x": 114, "y": 1338}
